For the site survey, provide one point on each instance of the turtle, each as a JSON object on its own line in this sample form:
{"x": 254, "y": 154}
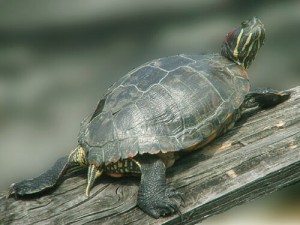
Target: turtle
{"x": 158, "y": 112}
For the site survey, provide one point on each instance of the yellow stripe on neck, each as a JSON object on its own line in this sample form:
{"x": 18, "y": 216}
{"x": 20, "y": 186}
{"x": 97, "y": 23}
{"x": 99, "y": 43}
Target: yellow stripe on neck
{"x": 247, "y": 41}
{"x": 235, "y": 51}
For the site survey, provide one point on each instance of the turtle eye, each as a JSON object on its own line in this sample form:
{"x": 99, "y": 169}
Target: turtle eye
{"x": 244, "y": 23}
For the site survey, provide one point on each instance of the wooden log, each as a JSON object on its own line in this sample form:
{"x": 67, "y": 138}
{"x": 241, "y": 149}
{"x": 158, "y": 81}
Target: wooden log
{"x": 260, "y": 155}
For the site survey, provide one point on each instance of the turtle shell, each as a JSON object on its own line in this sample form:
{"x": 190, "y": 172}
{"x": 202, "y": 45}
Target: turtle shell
{"x": 166, "y": 105}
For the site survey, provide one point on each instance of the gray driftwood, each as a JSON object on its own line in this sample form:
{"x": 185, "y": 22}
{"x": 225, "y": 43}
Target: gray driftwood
{"x": 259, "y": 156}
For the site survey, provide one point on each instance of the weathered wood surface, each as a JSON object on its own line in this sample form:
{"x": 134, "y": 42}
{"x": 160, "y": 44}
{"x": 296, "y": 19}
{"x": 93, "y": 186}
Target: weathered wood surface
{"x": 259, "y": 156}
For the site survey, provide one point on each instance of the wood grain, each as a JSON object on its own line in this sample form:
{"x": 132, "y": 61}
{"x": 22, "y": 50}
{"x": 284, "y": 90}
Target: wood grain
{"x": 259, "y": 156}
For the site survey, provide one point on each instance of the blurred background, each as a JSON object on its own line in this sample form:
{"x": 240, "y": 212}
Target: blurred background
{"x": 57, "y": 58}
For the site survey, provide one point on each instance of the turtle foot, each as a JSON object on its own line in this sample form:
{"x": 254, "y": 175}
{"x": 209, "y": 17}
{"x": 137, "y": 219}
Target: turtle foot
{"x": 161, "y": 204}
{"x": 45, "y": 181}
{"x": 22, "y": 188}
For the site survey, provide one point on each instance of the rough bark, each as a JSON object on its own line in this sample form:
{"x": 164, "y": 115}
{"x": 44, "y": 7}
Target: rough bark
{"x": 259, "y": 156}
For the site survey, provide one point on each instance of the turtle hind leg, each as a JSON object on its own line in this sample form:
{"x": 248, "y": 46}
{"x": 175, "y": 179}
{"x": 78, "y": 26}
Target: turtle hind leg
{"x": 155, "y": 197}
{"x": 40, "y": 183}
{"x": 50, "y": 178}
{"x": 265, "y": 98}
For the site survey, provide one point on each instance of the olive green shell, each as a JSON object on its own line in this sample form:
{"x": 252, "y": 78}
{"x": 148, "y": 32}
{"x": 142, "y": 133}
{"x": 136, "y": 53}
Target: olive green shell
{"x": 166, "y": 105}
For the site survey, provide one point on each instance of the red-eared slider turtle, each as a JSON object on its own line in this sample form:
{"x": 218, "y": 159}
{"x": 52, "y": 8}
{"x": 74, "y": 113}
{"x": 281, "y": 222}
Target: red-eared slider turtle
{"x": 165, "y": 107}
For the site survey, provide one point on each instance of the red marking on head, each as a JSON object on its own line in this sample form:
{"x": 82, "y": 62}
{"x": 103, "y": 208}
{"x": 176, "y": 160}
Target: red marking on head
{"x": 229, "y": 35}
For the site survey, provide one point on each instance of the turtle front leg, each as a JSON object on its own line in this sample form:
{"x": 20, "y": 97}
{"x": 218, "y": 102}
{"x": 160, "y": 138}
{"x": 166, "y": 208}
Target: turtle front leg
{"x": 155, "y": 197}
{"x": 264, "y": 97}
{"x": 50, "y": 178}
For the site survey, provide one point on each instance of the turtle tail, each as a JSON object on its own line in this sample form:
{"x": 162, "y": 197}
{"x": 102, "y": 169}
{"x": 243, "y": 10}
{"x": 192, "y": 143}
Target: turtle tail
{"x": 93, "y": 173}
{"x": 67, "y": 164}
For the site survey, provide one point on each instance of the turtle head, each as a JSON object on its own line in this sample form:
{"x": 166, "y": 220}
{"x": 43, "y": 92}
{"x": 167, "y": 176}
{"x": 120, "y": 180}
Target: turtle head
{"x": 242, "y": 44}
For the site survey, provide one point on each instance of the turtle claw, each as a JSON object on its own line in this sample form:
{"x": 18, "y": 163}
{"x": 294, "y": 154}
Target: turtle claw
{"x": 285, "y": 94}
{"x": 21, "y": 188}
{"x": 162, "y": 204}
{"x": 11, "y": 191}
